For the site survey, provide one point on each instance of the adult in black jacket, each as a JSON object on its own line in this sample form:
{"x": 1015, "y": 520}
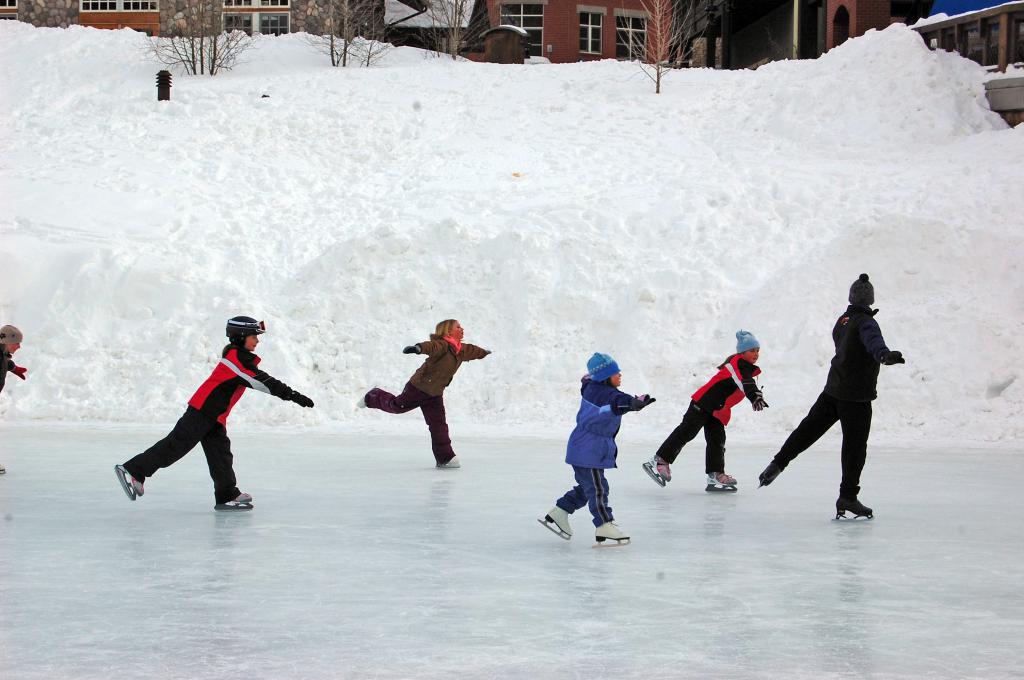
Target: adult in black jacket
{"x": 847, "y": 397}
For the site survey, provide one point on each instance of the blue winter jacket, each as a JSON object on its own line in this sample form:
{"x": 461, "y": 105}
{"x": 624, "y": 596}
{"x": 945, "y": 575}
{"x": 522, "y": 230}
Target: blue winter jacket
{"x": 592, "y": 443}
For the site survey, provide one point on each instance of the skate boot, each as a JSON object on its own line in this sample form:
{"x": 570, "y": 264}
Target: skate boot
{"x": 452, "y": 464}
{"x": 362, "y": 402}
{"x": 242, "y": 502}
{"x": 853, "y": 505}
{"x": 3, "y": 470}
{"x": 770, "y": 473}
{"x": 609, "y": 531}
{"x": 658, "y": 470}
{"x": 132, "y": 487}
{"x": 557, "y": 521}
{"x": 721, "y": 482}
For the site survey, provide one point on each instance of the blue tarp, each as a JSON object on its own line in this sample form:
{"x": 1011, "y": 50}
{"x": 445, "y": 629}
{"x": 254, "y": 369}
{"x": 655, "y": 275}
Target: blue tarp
{"x": 952, "y": 7}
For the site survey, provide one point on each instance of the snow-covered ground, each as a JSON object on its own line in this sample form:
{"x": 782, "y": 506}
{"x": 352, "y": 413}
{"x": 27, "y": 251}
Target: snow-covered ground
{"x": 363, "y": 561}
{"x": 554, "y": 210}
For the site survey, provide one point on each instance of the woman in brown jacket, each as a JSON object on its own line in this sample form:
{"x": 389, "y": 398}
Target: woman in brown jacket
{"x": 425, "y": 390}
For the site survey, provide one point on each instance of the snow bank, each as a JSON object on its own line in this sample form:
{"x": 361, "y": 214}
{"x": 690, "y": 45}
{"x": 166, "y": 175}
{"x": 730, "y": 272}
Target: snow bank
{"x": 556, "y": 211}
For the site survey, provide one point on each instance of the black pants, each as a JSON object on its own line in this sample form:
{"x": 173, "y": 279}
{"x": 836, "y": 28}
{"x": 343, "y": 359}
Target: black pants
{"x": 855, "y": 419}
{"x": 192, "y": 428}
{"x": 714, "y": 433}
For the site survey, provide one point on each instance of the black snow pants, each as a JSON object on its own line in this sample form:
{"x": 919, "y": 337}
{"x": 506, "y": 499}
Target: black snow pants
{"x": 855, "y": 419}
{"x": 714, "y": 434}
{"x": 192, "y": 428}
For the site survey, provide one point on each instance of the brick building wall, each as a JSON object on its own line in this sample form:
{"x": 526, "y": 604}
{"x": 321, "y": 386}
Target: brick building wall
{"x": 864, "y": 15}
{"x": 561, "y": 29}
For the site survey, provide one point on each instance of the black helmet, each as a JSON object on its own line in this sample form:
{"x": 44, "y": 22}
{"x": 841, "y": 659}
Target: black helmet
{"x": 240, "y": 327}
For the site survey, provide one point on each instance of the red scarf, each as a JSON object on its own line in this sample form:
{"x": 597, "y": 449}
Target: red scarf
{"x": 454, "y": 343}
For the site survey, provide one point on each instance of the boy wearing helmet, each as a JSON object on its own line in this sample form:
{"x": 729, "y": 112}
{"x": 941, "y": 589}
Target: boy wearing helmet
{"x": 205, "y": 419}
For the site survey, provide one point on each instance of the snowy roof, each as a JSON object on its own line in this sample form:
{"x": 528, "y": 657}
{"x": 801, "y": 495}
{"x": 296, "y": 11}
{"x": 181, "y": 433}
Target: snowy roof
{"x": 437, "y": 14}
{"x": 960, "y": 8}
{"x": 508, "y": 27}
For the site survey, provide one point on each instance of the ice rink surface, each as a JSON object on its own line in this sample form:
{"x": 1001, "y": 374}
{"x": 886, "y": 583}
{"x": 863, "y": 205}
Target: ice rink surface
{"x": 363, "y": 561}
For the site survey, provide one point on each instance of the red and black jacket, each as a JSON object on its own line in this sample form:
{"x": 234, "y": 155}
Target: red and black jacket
{"x": 734, "y": 380}
{"x": 236, "y": 371}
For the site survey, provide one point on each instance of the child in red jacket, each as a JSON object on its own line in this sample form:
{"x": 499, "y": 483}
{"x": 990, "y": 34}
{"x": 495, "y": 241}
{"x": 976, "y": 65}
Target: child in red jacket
{"x": 205, "y": 419}
{"x": 710, "y": 410}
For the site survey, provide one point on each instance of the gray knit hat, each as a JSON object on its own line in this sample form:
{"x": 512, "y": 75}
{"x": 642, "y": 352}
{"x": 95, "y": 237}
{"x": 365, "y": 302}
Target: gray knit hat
{"x": 862, "y": 293}
{"x": 9, "y": 335}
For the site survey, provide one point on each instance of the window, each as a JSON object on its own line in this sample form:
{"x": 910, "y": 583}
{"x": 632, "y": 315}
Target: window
{"x": 1018, "y": 54}
{"x": 973, "y": 46}
{"x": 238, "y": 22}
{"x": 590, "y": 32}
{"x": 949, "y": 40}
{"x": 530, "y": 18}
{"x": 238, "y": 3}
{"x": 273, "y": 24}
{"x": 630, "y": 37}
{"x": 120, "y": 6}
{"x": 261, "y": 22}
{"x": 992, "y": 43}
{"x": 9, "y": 4}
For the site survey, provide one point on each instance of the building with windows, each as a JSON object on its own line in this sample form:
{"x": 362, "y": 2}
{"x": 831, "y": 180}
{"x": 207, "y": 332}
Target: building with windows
{"x": 565, "y": 31}
{"x": 991, "y": 36}
{"x": 162, "y": 17}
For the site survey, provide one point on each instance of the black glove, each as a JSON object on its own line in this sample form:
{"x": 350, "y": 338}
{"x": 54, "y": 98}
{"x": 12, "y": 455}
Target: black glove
{"x": 641, "y": 402}
{"x": 893, "y": 357}
{"x": 411, "y": 349}
{"x": 759, "y": 403}
{"x": 302, "y": 400}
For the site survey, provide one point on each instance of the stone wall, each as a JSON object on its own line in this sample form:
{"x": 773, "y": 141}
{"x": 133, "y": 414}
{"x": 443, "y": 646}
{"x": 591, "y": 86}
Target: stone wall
{"x": 55, "y": 13}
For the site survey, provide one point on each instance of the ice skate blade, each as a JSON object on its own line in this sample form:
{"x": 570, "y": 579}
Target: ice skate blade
{"x": 603, "y": 542}
{"x": 232, "y": 507}
{"x": 553, "y": 528}
{"x": 712, "y": 488}
{"x": 129, "y": 490}
{"x": 841, "y": 517}
{"x": 653, "y": 474}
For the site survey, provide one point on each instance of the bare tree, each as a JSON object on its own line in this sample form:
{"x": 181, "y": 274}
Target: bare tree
{"x": 670, "y": 28}
{"x": 343, "y": 23}
{"x": 197, "y": 42}
{"x": 455, "y": 25}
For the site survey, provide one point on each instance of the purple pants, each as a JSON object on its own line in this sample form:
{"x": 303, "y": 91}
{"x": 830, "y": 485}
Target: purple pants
{"x": 431, "y": 407}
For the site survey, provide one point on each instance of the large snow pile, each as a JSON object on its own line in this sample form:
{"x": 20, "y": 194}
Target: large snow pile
{"x": 554, "y": 210}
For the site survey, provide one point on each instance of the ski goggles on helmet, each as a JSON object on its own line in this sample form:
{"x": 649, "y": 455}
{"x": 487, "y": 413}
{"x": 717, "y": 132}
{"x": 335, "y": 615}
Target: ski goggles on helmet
{"x": 244, "y": 326}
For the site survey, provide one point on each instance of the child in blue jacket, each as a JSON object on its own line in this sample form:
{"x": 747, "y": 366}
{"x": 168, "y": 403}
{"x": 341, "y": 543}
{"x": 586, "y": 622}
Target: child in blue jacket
{"x": 592, "y": 449}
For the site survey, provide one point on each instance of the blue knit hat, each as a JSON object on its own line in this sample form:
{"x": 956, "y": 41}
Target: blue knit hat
{"x": 745, "y": 340}
{"x": 601, "y": 367}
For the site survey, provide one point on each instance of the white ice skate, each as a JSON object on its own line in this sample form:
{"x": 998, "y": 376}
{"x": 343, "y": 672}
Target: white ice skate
{"x": 361, "y": 403}
{"x": 557, "y": 522}
{"x": 658, "y": 470}
{"x": 3, "y": 470}
{"x": 241, "y": 503}
{"x": 609, "y": 531}
{"x": 721, "y": 482}
{"x": 132, "y": 487}
{"x": 453, "y": 464}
